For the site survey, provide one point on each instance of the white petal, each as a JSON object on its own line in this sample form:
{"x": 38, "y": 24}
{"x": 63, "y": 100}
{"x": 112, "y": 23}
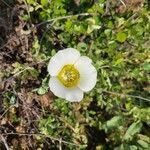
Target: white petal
{"x": 70, "y": 94}
{"x": 74, "y": 95}
{"x": 88, "y": 73}
{"x": 63, "y": 57}
{"x": 56, "y": 87}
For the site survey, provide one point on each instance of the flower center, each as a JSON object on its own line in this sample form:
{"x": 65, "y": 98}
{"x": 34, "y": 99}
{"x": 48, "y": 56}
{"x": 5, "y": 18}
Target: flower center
{"x": 69, "y": 76}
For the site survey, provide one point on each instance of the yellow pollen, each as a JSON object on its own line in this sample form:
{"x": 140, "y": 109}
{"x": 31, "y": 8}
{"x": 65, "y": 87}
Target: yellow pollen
{"x": 69, "y": 76}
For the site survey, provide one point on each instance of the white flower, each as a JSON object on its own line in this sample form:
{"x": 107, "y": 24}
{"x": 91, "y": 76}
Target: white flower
{"x": 71, "y": 74}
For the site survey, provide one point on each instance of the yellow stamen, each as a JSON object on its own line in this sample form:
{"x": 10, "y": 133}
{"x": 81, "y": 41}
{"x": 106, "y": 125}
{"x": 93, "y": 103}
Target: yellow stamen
{"x": 69, "y": 76}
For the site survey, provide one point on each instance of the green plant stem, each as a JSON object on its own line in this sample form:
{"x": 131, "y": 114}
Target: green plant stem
{"x": 63, "y": 17}
{"x": 126, "y": 95}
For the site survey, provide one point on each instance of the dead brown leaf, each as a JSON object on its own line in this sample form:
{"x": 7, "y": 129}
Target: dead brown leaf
{"x": 128, "y": 5}
{"x": 46, "y": 99}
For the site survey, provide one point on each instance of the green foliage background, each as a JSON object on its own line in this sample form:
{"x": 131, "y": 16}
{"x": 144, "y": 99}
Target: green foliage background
{"x": 116, "y": 113}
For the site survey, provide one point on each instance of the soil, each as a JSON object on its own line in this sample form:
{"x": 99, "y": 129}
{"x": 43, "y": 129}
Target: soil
{"x": 15, "y": 47}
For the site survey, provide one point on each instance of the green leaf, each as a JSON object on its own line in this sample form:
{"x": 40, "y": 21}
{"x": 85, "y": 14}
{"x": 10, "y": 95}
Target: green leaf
{"x": 44, "y": 2}
{"x": 82, "y": 46}
{"x": 42, "y": 91}
{"x": 44, "y": 88}
{"x": 92, "y": 28}
{"x": 133, "y": 129}
{"x": 133, "y": 147}
{"x": 127, "y": 147}
{"x": 143, "y": 144}
{"x": 146, "y": 66}
{"x": 13, "y": 100}
{"x": 30, "y": 1}
{"x": 34, "y": 72}
{"x": 121, "y": 37}
{"x": 114, "y": 122}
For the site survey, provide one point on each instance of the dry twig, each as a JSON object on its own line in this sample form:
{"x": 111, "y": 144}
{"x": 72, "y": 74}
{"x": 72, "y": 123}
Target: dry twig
{"x": 44, "y": 136}
{"x": 4, "y": 141}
